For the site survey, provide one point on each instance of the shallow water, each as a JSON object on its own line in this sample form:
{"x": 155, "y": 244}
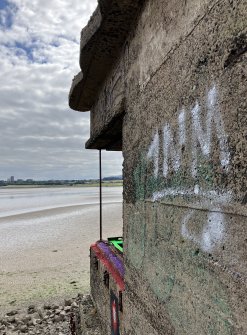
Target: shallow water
{"x": 36, "y": 217}
{"x": 25, "y": 200}
{"x": 45, "y": 235}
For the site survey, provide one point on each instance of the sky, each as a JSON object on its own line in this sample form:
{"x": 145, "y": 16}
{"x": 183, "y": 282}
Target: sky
{"x": 40, "y": 136}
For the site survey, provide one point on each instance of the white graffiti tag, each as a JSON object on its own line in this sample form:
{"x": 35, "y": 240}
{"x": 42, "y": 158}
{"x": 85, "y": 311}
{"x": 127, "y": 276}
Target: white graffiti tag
{"x": 170, "y": 151}
{"x": 212, "y": 233}
{"x": 206, "y": 125}
{"x": 204, "y": 138}
{"x": 199, "y": 138}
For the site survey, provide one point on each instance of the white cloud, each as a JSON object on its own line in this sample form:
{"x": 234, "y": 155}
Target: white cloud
{"x": 39, "y": 55}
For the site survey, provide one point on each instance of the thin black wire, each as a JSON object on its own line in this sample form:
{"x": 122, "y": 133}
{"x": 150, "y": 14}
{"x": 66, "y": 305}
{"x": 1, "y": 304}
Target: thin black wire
{"x": 100, "y": 196}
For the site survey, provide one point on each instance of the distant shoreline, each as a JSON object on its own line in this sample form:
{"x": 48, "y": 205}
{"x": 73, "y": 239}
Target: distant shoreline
{"x": 104, "y": 184}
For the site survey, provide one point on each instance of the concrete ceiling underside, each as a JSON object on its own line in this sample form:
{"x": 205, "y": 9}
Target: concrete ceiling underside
{"x": 110, "y": 137}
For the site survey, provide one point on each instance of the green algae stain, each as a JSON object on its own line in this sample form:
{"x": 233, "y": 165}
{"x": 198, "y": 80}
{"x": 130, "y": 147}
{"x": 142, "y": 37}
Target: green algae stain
{"x": 136, "y": 236}
{"x": 205, "y": 173}
{"x": 195, "y": 298}
{"x": 139, "y": 179}
{"x": 146, "y": 184}
{"x": 177, "y": 278}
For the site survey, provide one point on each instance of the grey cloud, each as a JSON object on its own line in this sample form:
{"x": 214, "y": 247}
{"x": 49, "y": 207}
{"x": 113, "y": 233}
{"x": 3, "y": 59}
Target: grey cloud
{"x": 39, "y": 136}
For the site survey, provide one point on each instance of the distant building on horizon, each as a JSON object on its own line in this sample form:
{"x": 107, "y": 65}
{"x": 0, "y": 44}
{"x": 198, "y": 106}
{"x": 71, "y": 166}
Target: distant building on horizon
{"x": 11, "y": 179}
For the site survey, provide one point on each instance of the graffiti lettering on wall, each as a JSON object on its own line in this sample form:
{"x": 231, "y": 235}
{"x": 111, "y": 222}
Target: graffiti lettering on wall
{"x": 178, "y": 163}
{"x": 212, "y": 232}
{"x": 200, "y": 140}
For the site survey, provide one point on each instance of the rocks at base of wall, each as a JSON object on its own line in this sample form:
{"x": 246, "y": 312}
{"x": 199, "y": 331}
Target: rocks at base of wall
{"x": 53, "y": 319}
{"x": 88, "y": 320}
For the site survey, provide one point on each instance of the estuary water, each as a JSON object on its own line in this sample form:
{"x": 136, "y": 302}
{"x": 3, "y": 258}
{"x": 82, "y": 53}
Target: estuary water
{"x": 15, "y": 201}
{"x": 45, "y": 235}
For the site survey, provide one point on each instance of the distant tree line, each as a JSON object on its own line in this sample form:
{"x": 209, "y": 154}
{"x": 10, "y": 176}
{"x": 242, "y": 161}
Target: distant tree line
{"x": 57, "y": 182}
{"x": 113, "y": 178}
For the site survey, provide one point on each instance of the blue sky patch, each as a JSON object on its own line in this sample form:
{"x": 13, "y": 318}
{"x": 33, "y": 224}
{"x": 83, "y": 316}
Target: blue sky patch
{"x": 28, "y": 51}
{"x": 24, "y": 48}
{"x": 3, "y": 4}
{"x": 7, "y": 12}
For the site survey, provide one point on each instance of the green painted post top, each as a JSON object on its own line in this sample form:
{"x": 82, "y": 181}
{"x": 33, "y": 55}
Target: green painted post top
{"x": 117, "y": 242}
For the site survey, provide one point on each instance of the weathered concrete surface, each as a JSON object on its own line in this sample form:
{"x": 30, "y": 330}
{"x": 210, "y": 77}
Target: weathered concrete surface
{"x": 101, "y": 42}
{"x": 182, "y": 83}
{"x": 101, "y": 293}
{"x": 108, "y": 112}
{"x": 184, "y": 144}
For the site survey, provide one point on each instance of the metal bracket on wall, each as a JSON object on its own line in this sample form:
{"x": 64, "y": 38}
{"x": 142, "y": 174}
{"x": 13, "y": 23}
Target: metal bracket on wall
{"x": 106, "y": 279}
{"x": 96, "y": 263}
{"x": 120, "y": 301}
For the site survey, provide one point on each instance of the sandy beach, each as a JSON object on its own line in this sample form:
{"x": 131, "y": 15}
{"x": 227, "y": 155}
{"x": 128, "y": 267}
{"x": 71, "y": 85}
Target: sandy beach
{"x": 44, "y": 244}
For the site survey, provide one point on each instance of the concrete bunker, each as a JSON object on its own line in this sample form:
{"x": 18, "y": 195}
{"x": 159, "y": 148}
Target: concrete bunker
{"x": 165, "y": 82}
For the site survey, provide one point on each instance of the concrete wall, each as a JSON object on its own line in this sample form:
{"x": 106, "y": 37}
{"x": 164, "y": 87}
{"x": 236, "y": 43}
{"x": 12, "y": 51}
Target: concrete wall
{"x": 180, "y": 82}
{"x": 101, "y": 294}
{"x": 110, "y": 101}
{"x": 185, "y": 177}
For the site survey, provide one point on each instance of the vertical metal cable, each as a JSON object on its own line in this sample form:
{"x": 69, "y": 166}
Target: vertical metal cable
{"x": 100, "y": 196}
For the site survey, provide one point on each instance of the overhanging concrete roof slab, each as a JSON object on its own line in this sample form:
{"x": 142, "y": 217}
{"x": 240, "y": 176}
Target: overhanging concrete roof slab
{"x": 101, "y": 43}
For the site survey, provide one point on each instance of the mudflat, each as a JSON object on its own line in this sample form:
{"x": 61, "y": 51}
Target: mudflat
{"x": 44, "y": 243}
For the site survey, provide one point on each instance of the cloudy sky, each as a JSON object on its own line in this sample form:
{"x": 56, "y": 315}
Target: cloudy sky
{"x": 40, "y": 137}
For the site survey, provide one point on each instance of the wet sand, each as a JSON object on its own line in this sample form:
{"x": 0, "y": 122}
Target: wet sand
{"x": 44, "y": 254}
